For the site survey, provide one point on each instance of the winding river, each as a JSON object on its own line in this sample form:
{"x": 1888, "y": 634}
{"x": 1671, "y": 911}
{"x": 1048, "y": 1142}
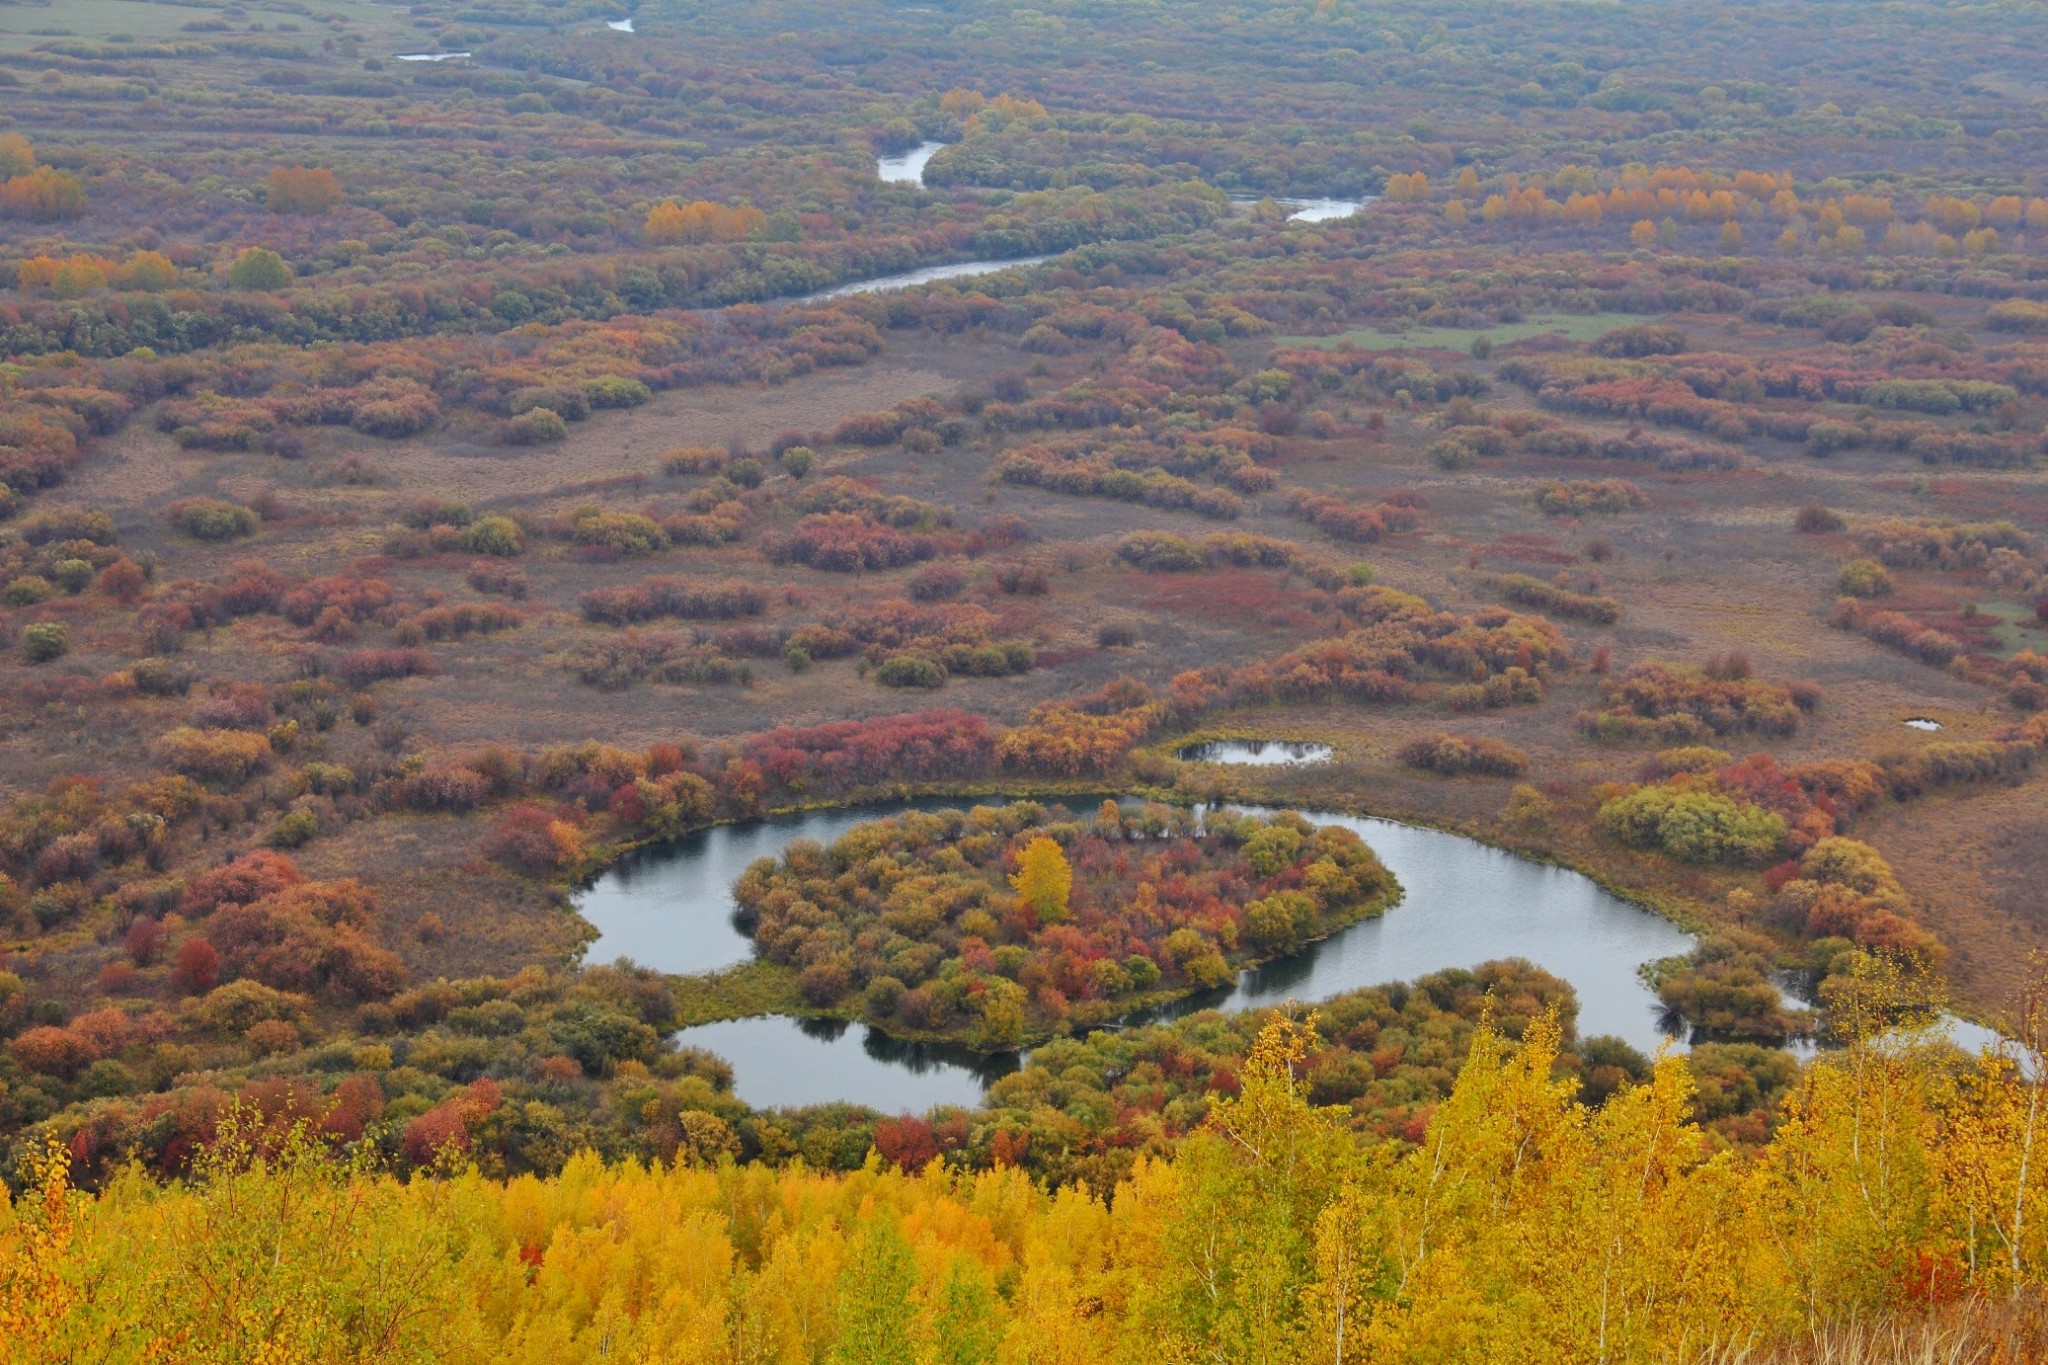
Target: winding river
{"x": 1465, "y": 903}
{"x": 959, "y": 270}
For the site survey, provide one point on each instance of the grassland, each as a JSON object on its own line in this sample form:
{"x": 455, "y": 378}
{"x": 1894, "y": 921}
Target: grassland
{"x": 1569, "y": 326}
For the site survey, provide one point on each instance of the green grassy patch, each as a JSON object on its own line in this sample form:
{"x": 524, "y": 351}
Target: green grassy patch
{"x": 742, "y": 991}
{"x": 147, "y": 22}
{"x": 2016, "y": 629}
{"x": 1574, "y": 326}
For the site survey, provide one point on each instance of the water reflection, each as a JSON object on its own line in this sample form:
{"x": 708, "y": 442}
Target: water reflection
{"x": 926, "y": 275}
{"x": 1258, "y": 753}
{"x": 1464, "y": 903}
{"x": 1310, "y": 210}
{"x": 780, "y": 1062}
{"x": 907, "y": 168}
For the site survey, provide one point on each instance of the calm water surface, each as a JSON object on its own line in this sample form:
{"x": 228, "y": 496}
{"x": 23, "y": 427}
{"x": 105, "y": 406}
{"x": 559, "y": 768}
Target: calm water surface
{"x": 1256, "y": 753}
{"x": 1310, "y": 210}
{"x": 907, "y": 168}
{"x": 927, "y": 275}
{"x": 1465, "y": 903}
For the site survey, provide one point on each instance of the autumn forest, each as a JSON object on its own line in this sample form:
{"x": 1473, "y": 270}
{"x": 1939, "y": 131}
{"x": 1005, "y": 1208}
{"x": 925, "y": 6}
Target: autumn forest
{"x": 1246, "y": 680}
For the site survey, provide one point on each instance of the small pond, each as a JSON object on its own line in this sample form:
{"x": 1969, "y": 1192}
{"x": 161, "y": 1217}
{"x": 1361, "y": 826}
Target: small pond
{"x": 1310, "y": 210}
{"x": 1256, "y": 753}
{"x": 1922, "y": 723}
{"x": 1465, "y": 903}
{"x": 928, "y": 275}
{"x": 906, "y": 168}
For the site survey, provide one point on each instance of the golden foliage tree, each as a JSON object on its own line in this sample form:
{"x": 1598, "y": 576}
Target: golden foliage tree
{"x": 670, "y": 223}
{"x": 1043, "y": 879}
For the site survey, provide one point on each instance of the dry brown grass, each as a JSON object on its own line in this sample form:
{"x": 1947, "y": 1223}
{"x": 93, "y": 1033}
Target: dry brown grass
{"x": 1711, "y": 566}
{"x": 1981, "y": 1331}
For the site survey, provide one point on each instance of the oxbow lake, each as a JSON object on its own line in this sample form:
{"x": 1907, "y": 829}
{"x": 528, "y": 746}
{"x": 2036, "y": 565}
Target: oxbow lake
{"x": 1465, "y": 903}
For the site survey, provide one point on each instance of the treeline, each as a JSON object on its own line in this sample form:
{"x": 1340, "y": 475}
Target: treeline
{"x": 1523, "y": 1222}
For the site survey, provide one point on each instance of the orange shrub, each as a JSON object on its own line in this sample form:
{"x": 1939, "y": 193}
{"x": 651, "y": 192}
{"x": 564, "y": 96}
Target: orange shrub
{"x": 301, "y": 189}
{"x": 43, "y": 195}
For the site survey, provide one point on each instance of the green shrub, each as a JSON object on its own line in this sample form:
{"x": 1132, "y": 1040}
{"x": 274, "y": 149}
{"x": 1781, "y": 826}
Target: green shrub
{"x": 70, "y": 523}
{"x": 494, "y": 535}
{"x": 627, "y": 532}
{"x": 1864, "y": 578}
{"x": 536, "y": 426}
{"x": 1695, "y": 825}
{"x": 72, "y": 574}
{"x": 208, "y": 519}
{"x": 259, "y": 268}
{"x": 44, "y": 641}
{"x": 1158, "y": 552}
{"x": 615, "y": 391}
{"x": 910, "y": 670}
{"x": 27, "y": 590}
{"x": 294, "y": 829}
{"x": 1525, "y": 591}
{"x": 1640, "y": 339}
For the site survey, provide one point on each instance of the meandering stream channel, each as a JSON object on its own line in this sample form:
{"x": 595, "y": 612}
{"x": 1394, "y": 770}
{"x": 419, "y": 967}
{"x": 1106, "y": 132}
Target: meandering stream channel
{"x": 1465, "y": 903}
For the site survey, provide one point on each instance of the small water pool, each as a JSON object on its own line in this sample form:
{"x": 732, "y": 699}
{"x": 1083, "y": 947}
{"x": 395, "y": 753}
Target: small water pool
{"x": 1256, "y": 753}
{"x": 906, "y": 168}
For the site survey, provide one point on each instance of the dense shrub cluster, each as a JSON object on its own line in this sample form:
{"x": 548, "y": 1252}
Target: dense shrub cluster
{"x": 1675, "y": 704}
{"x": 847, "y": 542}
{"x": 1694, "y": 823}
{"x": 1456, "y": 755}
{"x": 937, "y": 924}
{"x": 687, "y": 599}
{"x": 1586, "y": 497}
{"x": 1525, "y": 591}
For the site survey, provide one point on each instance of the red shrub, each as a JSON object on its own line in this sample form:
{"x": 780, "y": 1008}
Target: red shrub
{"x": 248, "y": 878}
{"x": 144, "y": 942}
{"x": 360, "y": 666}
{"x": 530, "y": 839}
{"x": 198, "y": 967}
{"x": 357, "y": 599}
{"x": 923, "y": 746}
{"x": 846, "y": 542}
{"x": 908, "y": 1143}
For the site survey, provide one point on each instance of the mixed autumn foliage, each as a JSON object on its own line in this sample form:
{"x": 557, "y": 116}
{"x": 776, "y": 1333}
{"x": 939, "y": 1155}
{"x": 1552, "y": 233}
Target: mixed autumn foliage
{"x": 356, "y": 604}
{"x": 1522, "y": 1223}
